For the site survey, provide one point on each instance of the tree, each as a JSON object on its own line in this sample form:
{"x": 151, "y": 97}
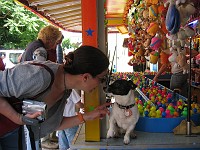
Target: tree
{"x": 18, "y": 26}
{"x": 66, "y": 44}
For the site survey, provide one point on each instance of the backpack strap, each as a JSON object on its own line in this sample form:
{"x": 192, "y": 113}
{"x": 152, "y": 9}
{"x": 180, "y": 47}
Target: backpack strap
{"x": 31, "y": 134}
{"x": 52, "y": 78}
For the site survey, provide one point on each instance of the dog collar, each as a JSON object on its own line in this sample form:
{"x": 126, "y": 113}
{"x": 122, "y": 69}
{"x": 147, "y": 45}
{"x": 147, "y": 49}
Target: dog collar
{"x": 125, "y": 107}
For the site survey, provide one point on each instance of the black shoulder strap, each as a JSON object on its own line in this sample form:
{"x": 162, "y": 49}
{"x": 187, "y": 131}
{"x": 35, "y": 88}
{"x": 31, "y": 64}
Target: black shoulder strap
{"x": 52, "y": 78}
{"x": 31, "y": 134}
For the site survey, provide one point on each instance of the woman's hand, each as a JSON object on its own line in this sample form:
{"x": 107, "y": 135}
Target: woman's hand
{"x": 155, "y": 79}
{"x": 8, "y": 111}
{"x": 30, "y": 119}
{"x": 100, "y": 112}
{"x": 34, "y": 115}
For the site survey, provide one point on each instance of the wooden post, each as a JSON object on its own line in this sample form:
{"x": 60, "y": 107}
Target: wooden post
{"x": 89, "y": 35}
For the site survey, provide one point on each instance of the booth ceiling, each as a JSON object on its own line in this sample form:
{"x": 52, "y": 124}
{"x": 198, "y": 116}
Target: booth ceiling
{"x": 66, "y": 14}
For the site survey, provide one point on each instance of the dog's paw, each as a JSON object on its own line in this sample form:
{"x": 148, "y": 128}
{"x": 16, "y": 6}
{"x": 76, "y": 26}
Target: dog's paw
{"x": 126, "y": 140}
{"x": 110, "y": 134}
{"x": 116, "y": 135}
{"x": 133, "y": 135}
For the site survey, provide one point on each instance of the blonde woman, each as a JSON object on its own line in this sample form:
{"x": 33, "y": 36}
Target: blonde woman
{"x": 48, "y": 38}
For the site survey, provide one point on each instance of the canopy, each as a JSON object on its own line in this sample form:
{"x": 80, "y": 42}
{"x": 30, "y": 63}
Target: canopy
{"x": 66, "y": 14}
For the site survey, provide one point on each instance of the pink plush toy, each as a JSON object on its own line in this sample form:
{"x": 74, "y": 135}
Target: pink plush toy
{"x": 155, "y": 43}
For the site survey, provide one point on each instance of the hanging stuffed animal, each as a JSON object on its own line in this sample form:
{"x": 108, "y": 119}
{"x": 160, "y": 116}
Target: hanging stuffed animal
{"x": 153, "y": 28}
{"x": 153, "y": 12}
{"x": 185, "y": 33}
{"x": 154, "y": 57}
{"x": 172, "y": 18}
{"x": 156, "y": 43}
{"x": 181, "y": 61}
{"x": 145, "y": 14}
{"x": 185, "y": 11}
{"x": 180, "y": 2}
{"x": 177, "y": 2}
{"x": 164, "y": 57}
{"x": 149, "y": 2}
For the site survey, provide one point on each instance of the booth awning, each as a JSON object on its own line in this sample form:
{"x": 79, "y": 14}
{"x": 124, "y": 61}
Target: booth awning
{"x": 66, "y": 14}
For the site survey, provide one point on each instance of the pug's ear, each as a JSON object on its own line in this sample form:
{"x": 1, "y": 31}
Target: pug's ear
{"x": 133, "y": 86}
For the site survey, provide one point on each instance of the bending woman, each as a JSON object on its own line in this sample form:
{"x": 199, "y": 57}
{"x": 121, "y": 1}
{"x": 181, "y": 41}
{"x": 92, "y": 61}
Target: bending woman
{"x": 84, "y": 69}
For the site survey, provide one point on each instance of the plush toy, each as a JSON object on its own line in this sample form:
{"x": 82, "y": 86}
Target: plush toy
{"x": 172, "y": 18}
{"x": 180, "y": 1}
{"x": 130, "y": 46}
{"x": 153, "y": 12}
{"x": 137, "y": 59}
{"x": 161, "y": 8}
{"x": 189, "y": 31}
{"x": 181, "y": 61}
{"x": 172, "y": 38}
{"x": 153, "y": 28}
{"x": 164, "y": 58}
{"x": 154, "y": 57}
{"x": 145, "y": 24}
{"x": 177, "y": 2}
{"x": 141, "y": 51}
{"x": 147, "y": 43}
{"x": 186, "y": 10}
{"x": 130, "y": 53}
{"x": 149, "y": 2}
{"x": 182, "y": 37}
{"x": 184, "y": 33}
{"x": 155, "y": 43}
{"x": 147, "y": 52}
{"x": 163, "y": 28}
{"x": 141, "y": 34}
{"x": 145, "y": 14}
{"x": 131, "y": 62}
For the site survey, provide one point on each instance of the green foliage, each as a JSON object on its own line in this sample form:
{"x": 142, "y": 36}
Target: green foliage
{"x": 66, "y": 44}
{"x": 75, "y": 45}
{"x": 18, "y": 26}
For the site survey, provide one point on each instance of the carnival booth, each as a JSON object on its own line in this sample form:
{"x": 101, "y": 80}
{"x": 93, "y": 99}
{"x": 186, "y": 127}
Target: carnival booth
{"x": 157, "y": 30}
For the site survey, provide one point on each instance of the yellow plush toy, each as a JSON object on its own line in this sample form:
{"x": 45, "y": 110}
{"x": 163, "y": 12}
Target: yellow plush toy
{"x": 148, "y": 2}
{"x": 153, "y": 28}
{"x": 153, "y": 12}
